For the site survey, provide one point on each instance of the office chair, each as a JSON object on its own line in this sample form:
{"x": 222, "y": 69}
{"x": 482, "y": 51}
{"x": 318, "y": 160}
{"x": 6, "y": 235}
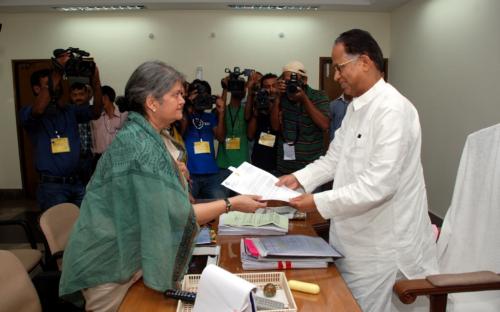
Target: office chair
{"x": 30, "y": 258}
{"x": 17, "y": 293}
{"x": 56, "y": 224}
{"x": 469, "y": 243}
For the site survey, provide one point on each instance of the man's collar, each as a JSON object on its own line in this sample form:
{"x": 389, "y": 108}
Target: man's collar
{"x": 116, "y": 111}
{"x": 368, "y": 96}
{"x": 343, "y": 99}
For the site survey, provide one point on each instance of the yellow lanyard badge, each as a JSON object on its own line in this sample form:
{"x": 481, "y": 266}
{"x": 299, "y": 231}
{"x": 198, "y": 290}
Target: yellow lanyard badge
{"x": 59, "y": 145}
{"x": 201, "y": 147}
{"x": 232, "y": 143}
{"x": 267, "y": 139}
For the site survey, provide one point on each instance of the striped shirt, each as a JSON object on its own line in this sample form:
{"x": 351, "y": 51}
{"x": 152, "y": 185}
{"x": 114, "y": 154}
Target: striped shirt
{"x": 300, "y": 130}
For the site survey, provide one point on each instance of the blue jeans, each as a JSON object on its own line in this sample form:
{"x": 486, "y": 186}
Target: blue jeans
{"x": 50, "y": 194}
{"x": 207, "y": 186}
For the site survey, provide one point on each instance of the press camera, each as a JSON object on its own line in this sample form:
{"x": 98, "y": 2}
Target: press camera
{"x": 204, "y": 100}
{"x": 78, "y": 65}
{"x": 293, "y": 85}
{"x": 262, "y": 101}
{"x": 236, "y": 83}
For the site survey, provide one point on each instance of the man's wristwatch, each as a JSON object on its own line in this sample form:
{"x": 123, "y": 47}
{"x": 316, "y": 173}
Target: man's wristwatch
{"x": 228, "y": 205}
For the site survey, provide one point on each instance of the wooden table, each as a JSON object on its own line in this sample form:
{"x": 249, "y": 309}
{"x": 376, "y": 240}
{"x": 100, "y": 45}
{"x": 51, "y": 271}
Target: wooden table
{"x": 334, "y": 295}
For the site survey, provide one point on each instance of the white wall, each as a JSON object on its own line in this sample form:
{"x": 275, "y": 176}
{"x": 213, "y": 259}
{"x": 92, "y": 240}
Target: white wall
{"x": 446, "y": 60}
{"x": 119, "y": 42}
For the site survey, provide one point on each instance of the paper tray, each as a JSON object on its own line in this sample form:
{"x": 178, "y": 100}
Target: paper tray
{"x": 190, "y": 283}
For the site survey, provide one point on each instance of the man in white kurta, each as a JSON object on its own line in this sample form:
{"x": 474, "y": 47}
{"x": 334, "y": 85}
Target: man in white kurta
{"x": 378, "y": 203}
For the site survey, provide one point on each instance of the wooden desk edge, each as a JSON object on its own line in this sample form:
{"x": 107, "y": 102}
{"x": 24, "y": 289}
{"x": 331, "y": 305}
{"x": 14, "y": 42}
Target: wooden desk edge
{"x": 339, "y": 300}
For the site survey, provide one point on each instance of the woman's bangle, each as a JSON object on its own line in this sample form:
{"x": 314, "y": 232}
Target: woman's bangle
{"x": 228, "y": 205}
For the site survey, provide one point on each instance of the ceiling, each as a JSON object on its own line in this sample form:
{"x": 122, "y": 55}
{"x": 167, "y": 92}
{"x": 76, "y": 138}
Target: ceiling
{"x": 324, "y": 5}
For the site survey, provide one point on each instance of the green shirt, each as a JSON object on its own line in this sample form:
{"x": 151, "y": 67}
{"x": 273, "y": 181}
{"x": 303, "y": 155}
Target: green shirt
{"x": 236, "y": 127}
{"x": 299, "y": 128}
{"x": 135, "y": 215}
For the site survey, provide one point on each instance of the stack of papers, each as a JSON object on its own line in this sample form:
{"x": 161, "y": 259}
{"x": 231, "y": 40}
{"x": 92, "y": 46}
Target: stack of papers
{"x": 240, "y": 223}
{"x": 205, "y": 252}
{"x": 250, "y": 180}
{"x": 205, "y": 245}
{"x": 286, "y": 252}
{"x": 286, "y": 211}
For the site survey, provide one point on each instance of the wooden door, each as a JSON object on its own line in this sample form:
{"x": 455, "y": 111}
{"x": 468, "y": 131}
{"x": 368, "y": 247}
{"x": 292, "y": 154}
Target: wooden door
{"x": 326, "y": 81}
{"x": 22, "y": 70}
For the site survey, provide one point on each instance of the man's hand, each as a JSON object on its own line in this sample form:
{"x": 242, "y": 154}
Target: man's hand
{"x": 281, "y": 86}
{"x": 299, "y": 97}
{"x": 63, "y": 58}
{"x": 223, "y": 82}
{"x": 304, "y": 203}
{"x": 192, "y": 95}
{"x": 95, "y": 78}
{"x": 289, "y": 181}
{"x": 220, "y": 106}
{"x": 253, "y": 79}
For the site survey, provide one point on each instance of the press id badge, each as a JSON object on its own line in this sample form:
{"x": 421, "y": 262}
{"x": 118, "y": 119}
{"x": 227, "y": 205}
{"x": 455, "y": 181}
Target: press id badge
{"x": 232, "y": 143}
{"x": 288, "y": 151}
{"x": 201, "y": 147}
{"x": 59, "y": 145}
{"x": 267, "y": 139}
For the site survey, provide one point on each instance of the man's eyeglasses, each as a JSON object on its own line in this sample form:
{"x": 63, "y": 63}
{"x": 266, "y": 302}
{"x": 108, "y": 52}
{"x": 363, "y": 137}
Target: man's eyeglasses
{"x": 340, "y": 67}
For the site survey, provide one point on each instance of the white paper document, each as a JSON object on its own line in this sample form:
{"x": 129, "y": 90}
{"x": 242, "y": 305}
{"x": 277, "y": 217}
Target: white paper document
{"x": 250, "y": 180}
{"x": 220, "y": 290}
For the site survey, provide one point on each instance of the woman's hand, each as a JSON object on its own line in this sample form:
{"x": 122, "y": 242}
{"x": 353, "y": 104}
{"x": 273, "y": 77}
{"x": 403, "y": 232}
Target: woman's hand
{"x": 183, "y": 169}
{"x": 246, "y": 203}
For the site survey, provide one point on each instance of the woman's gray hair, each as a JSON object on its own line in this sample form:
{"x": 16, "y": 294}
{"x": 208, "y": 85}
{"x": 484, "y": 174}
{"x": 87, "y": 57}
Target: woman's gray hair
{"x": 153, "y": 78}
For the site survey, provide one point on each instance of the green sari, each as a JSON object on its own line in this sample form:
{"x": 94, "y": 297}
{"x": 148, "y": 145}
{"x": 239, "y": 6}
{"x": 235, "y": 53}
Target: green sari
{"x": 135, "y": 215}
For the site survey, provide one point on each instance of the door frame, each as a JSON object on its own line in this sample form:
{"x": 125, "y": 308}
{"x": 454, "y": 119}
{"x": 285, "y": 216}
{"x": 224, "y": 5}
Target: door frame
{"x": 26, "y": 165}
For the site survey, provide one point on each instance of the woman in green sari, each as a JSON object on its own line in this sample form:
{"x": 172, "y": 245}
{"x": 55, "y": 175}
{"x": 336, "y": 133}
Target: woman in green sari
{"x": 136, "y": 219}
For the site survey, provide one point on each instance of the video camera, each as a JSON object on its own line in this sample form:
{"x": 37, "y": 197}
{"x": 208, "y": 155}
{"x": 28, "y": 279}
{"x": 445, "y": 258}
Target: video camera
{"x": 293, "y": 85}
{"x": 204, "y": 100}
{"x": 78, "y": 65}
{"x": 236, "y": 84}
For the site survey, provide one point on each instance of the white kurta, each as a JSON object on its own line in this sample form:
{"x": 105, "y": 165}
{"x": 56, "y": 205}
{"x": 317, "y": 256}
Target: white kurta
{"x": 378, "y": 204}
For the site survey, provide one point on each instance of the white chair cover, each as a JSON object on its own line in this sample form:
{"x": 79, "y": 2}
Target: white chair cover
{"x": 470, "y": 235}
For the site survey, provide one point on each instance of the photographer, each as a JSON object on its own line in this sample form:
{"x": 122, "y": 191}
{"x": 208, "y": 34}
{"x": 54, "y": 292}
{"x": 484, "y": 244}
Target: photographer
{"x": 81, "y": 94}
{"x": 233, "y": 150}
{"x": 199, "y": 129}
{"x": 52, "y": 124}
{"x": 259, "y": 128}
{"x": 302, "y": 118}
